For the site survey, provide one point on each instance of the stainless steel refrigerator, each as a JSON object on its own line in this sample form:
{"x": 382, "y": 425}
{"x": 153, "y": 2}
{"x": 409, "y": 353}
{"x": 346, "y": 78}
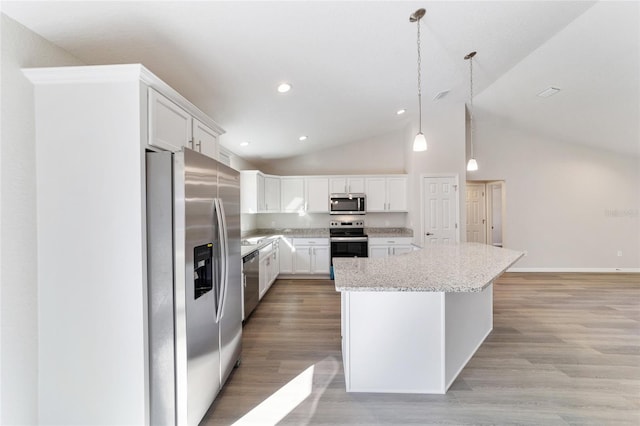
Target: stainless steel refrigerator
{"x": 194, "y": 264}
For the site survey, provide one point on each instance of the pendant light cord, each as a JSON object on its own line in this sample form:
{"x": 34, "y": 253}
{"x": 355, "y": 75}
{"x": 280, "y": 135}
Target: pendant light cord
{"x": 471, "y": 104}
{"x": 419, "y": 80}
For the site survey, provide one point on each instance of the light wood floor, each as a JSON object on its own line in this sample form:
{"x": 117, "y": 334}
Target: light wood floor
{"x": 565, "y": 350}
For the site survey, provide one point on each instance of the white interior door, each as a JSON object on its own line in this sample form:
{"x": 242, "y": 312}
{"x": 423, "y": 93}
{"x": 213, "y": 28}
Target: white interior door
{"x": 476, "y": 213}
{"x": 439, "y": 210}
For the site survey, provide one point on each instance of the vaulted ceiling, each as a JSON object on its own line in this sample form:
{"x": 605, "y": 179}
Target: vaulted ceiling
{"x": 352, "y": 65}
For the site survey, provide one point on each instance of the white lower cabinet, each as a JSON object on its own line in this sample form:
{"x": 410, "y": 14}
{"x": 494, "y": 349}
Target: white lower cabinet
{"x": 304, "y": 256}
{"x": 274, "y": 271}
{"x": 269, "y": 267}
{"x": 286, "y": 255}
{"x": 384, "y": 247}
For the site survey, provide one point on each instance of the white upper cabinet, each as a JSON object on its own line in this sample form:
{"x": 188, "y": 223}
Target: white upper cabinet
{"x": 205, "y": 139}
{"x": 397, "y": 194}
{"x": 271, "y": 194}
{"x": 305, "y": 194}
{"x": 224, "y": 156}
{"x": 317, "y": 194}
{"x": 386, "y": 194}
{"x": 292, "y": 194}
{"x": 346, "y": 184}
{"x": 295, "y": 194}
{"x": 249, "y": 194}
{"x": 259, "y": 193}
{"x": 169, "y": 125}
{"x": 376, "y": 192}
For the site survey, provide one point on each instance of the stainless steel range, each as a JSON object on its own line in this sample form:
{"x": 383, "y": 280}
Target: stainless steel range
{"x": 348, "y": 239}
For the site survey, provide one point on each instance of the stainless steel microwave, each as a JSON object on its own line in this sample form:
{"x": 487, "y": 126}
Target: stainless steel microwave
{"x": 347, "y": 204}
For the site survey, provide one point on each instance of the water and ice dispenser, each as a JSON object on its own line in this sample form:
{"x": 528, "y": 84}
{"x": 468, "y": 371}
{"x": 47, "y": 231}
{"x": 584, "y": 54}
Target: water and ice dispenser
{"x": 202, "y": 269}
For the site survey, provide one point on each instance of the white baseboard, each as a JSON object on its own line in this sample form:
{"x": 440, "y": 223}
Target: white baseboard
{"x": 585, "y": 270}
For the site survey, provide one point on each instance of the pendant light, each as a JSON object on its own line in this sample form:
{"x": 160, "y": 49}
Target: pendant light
{"x": 420, "y": 142}
{"x": 472, "y": 165}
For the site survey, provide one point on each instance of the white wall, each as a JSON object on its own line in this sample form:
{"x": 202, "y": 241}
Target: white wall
{"x": 18, "y": 280}
{"x": 445, "y": 155}
{"x": 567, "y": 205}
{"x": 381, "y": 154}
{"x": 240, "y": 163}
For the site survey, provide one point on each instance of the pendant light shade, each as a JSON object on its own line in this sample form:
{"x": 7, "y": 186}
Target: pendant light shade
{"x": 419, "y": 142}
{"x": 472, "y": 165}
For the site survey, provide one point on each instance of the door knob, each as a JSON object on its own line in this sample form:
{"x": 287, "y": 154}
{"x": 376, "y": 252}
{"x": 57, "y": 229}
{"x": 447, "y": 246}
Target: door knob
{"x": 428, "y": 233}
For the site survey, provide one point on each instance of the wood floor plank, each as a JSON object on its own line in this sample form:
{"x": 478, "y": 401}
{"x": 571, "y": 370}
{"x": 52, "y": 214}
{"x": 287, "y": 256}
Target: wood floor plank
{"x": 565, "y": 350}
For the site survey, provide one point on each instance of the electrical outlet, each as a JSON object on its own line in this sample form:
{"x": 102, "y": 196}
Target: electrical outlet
{"x": 619, "y": 253}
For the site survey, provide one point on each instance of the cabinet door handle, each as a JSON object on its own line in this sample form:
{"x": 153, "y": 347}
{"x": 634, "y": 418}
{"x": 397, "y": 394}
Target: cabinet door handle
{"x": 199, "y": 145}
{"x": 190, "y": 142}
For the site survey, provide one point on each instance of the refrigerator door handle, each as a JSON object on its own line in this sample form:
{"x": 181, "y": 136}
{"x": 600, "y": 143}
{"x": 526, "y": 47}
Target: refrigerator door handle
{"x": 222, "y": 229}
{"x": 225, "y": 274}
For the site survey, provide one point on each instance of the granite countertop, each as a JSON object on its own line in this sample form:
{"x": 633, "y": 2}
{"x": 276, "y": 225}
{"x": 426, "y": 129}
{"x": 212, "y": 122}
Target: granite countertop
{"x": 463, "y": 267}
{"x": 262, "y": 237}
{"x": 324, "y": 232}
{"x": 289, "y": 232}
{"x": 389, "y": 232}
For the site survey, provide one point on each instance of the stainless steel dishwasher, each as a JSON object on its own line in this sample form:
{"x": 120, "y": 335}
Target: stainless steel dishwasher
{"x": 251, "y": 272}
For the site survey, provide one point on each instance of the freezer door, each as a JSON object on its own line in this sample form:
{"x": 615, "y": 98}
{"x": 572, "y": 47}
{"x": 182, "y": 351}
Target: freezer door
{"x": 231, "y": 315}
{"x": 197, "y": 333}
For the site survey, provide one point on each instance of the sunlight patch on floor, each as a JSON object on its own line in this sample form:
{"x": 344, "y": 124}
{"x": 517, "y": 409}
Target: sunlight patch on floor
{"x": 282, "y": 402}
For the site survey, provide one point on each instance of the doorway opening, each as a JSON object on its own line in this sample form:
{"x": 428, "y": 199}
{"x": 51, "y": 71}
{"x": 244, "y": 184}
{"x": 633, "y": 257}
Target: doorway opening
{"x": 485, "y": 208}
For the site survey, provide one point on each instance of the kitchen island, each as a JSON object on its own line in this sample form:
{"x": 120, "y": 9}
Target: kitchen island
{"x": 410, "y": 323}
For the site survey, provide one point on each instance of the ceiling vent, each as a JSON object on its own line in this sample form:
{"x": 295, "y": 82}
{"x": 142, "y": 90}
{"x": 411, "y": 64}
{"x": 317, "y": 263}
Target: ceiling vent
{"x": 548, "y": 92}
{"x": 441, "y": 95}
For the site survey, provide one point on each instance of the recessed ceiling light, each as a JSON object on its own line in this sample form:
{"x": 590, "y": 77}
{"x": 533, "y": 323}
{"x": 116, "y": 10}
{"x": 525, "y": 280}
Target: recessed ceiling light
{"x": 401, "y": 111}
{"x": 548, "y": 92}
{"x": 302, "y": 138}
{"x": 245, "y": 143}
{"x": 284, "y": 87}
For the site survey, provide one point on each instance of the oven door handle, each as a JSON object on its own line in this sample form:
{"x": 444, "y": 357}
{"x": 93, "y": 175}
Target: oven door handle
{"x": 349, "y": 239}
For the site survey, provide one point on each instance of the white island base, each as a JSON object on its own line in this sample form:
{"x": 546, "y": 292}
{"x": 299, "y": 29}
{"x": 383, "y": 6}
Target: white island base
{"x": 411, "y": 342}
